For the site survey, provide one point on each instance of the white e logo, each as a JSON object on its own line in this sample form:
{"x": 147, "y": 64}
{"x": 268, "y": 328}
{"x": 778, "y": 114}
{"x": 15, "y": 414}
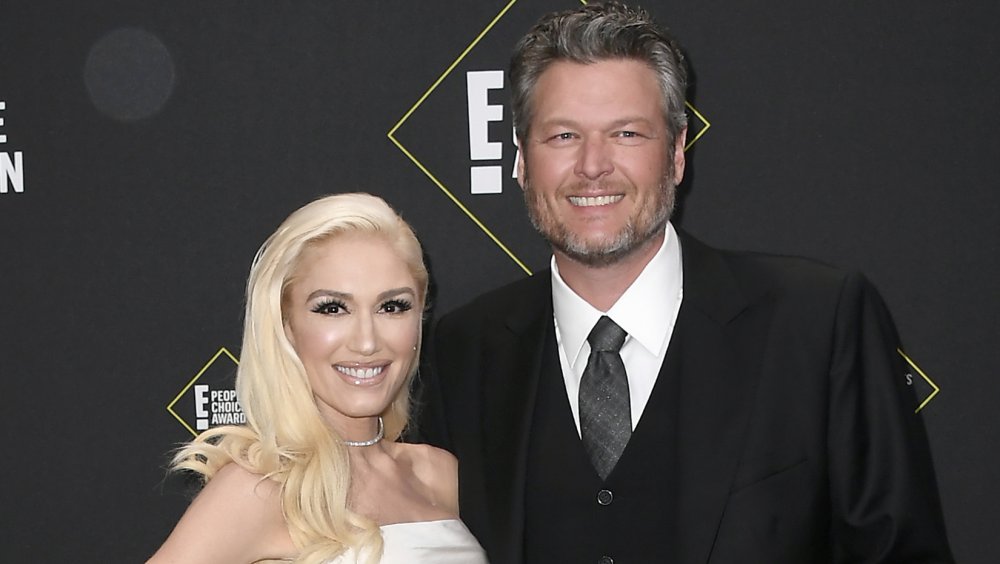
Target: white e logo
{"x": 485, "y": 179}
{"x": 200, "y": 401}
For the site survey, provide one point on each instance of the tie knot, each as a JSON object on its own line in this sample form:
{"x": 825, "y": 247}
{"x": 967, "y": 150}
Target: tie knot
{"x": 606, "y": 336}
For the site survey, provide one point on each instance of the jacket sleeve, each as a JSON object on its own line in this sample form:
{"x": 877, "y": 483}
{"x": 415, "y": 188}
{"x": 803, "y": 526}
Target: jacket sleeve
{"x": 883, "y": 490}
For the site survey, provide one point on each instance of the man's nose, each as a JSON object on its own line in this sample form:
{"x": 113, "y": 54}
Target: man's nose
{"x": 594, "y": 159}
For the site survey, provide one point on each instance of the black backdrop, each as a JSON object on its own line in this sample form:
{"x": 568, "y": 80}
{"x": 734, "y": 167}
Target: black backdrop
{"x": 146, "y": 149}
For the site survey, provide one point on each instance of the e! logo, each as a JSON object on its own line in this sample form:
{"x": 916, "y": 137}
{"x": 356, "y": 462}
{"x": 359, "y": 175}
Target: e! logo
{"x": 484, "y": 179}
{"x": 11, "y": 164}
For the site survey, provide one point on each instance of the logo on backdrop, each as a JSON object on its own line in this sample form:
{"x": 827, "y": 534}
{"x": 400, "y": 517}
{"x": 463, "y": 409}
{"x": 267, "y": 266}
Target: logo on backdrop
{"x": 460, "y": 134}
{"x": 921, "y": 382}
{"x": 11, "y": 161}
{"x": 209, "y": 399}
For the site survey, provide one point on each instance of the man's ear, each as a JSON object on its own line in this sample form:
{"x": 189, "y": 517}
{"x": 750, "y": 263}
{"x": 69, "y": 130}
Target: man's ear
{"x": 678, "y": 155}
{"x": 519, "y": 165}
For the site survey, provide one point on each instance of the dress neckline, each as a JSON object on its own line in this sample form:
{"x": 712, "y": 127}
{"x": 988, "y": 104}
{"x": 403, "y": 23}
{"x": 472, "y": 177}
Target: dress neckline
{"x": 432, "y": 521}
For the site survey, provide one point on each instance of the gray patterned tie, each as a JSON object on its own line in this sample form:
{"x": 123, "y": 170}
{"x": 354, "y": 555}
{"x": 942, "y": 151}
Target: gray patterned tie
{"x": 605, "y": 414}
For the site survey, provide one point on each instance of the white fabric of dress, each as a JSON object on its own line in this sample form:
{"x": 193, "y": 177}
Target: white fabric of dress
{"x": 447, "y": 541}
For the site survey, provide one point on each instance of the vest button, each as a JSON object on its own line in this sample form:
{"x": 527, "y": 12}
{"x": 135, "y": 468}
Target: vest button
{"x": 605, "y": 497}
{"x": 605, "y": 560}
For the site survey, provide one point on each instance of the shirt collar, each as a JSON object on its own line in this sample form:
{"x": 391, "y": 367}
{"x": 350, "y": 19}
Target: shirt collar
{"x": 659, "y": 283}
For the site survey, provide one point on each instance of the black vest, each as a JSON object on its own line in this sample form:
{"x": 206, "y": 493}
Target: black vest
{"x": 574, "y": 516}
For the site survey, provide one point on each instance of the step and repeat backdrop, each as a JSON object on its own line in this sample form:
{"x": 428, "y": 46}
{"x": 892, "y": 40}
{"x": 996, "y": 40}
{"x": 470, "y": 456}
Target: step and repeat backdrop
{"x": 147, "y": 149}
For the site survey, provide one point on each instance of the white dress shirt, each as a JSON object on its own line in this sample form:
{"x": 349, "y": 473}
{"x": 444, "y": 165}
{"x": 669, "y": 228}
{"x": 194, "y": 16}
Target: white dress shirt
{"x": 646, "y": 311}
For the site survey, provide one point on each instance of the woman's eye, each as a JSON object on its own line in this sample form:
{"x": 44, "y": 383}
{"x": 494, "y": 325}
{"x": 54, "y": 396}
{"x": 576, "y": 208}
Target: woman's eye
{"x": 396, "y": 306}
{"x": 329, "y": 308}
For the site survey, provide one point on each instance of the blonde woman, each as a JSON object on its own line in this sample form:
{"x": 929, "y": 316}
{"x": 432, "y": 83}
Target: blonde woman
{"x": 331, "y": 339}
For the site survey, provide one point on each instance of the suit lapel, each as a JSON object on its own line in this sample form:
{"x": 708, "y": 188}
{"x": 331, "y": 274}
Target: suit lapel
{"x": 719, "y": 339}
{"x": 513, "y": 360}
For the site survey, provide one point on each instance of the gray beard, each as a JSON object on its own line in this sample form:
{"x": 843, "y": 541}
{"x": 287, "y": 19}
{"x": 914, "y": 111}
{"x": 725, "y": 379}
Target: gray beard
{"x": 608, "y": 253}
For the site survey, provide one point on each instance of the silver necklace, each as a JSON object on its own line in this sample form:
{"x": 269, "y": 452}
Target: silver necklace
{"x": 378, "y": 437}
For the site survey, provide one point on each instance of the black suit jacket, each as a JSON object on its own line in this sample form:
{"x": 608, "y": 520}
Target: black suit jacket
{"x": 796, "y": 439}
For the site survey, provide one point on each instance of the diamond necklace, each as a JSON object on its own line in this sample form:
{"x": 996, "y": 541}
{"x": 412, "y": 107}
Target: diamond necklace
{"x": 378, "y": 437}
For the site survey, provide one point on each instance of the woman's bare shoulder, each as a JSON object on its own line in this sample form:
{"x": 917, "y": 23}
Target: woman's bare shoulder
{"x": 235, "y": 518}
{"x": 436, "y": 468}
{"x": 427, "y": 459}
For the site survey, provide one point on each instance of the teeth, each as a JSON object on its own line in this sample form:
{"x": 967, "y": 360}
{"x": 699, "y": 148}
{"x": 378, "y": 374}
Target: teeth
{"x": 587, "y": 201}
{"x": 360, "y": 373}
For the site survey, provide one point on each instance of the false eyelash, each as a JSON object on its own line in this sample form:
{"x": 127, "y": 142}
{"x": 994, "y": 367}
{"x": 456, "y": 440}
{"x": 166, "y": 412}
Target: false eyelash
{"x": 401, "y": 305}
{"x": 323, "y": 305}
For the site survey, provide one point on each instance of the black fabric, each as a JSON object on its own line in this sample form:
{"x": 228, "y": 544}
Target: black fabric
{"x": 565, "y": 519}
{"x": 795, "y": 438}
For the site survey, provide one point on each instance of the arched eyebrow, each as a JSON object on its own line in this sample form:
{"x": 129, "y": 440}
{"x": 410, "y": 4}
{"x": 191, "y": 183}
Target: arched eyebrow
{"x": 329, "y": 293}
{"x": 350, "y": 297}
{"x": 395, "y": 292}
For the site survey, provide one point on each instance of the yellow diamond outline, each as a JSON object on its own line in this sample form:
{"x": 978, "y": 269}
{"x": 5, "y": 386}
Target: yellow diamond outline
{"x": 439, "y": 184}
{"x": 922, "y": 375}
{"x": 707, "y": 124}
{"x": 170, "y": 406}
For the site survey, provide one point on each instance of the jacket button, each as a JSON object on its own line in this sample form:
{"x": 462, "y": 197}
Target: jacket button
{"x": 605, "y": 560}
{"x": 605, "y": 497}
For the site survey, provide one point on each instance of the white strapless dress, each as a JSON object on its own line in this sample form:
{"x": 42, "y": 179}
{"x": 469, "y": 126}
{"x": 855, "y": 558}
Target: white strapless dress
{"x": 447, "y": 541}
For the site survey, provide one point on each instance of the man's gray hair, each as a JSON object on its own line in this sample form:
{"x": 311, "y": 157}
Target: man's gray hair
{"x": 592, "y": 33}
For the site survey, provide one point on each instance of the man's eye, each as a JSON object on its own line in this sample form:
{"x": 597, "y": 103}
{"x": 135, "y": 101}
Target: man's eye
{"x": 630, "y": 137}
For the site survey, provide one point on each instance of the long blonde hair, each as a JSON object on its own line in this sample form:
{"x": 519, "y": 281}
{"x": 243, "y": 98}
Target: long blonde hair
{"x": 285, "y": 438}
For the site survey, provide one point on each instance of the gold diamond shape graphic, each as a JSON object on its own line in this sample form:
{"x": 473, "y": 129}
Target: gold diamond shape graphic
{"x": 934, "y": 387}
{"x": 701, "y": 126}
{"x": 219, "y": 356}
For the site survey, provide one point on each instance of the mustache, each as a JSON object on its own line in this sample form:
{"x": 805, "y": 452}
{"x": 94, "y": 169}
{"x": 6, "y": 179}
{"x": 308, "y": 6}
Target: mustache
{"x": 595, "y": 187}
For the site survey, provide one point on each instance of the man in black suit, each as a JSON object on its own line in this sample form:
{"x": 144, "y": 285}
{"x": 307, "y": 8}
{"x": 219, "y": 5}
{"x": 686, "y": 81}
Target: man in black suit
{"x": 649, "y": 398}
